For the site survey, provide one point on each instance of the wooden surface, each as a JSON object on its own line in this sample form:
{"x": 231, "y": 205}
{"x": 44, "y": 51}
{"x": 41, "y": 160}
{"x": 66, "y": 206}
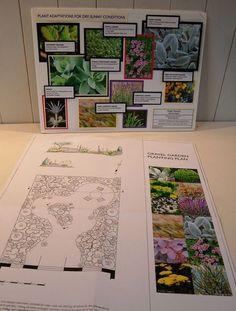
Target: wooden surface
{"x": 18, "y": 89}
{"x": 215, "y": 142}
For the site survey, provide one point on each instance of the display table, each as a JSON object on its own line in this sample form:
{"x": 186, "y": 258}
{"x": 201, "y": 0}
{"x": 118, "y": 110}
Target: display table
{"x": 215, "y": 142}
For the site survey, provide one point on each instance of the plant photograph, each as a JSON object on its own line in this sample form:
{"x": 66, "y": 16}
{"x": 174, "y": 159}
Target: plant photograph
{"x": 174, "y": 174}
{"x": 203, "y": 251}
{"x": 167, "y": 226}
{"x": 139, "y": 57}
{"x": 122, "y": 91}
{"x": 164, "y": 205}
{"x": 135, "y": 119}
{"x": 89, "y": 118}
{"x": 173, "y": 278}
{"x": 55, "y": 114}
{"x": 74, "y": 71}
{"x": 98, "y": 46}
{"x": 179, "y": 92}
{"x": 190, "y": 190}
{"x": 210, "y": 280}
{"x": 170, "y": 250}
{"x": 193, "y": 206}
{"x": 177, "y": 48}
{"x": 56, "y": 32}
{"x": 199, "y": 227}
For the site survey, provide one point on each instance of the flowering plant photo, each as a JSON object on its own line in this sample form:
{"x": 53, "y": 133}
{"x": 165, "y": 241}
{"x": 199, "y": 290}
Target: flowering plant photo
{"x": 139, "y": 57}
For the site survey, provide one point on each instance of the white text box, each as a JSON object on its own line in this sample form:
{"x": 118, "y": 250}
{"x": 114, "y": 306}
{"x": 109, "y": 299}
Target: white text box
{"x": 147, "y": 98}
{"x": 156, "y": 21}
{"x": 120, "y": 30}
{"x": 179, "y": 76}
{"x": 56, "y": 46}
{"x": 173, "y": 118}
{"x": 105, "y": 64}
{"x": 59, "y": 91}
{"x": 110, "y": 107}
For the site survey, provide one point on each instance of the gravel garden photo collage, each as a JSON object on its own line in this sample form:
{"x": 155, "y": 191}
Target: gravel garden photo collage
{"x": 187, "y": 255}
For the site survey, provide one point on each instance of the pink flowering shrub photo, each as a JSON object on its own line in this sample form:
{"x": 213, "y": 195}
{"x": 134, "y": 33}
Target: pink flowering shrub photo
{"x": 139, "y": 57}
{"x": 170, "y": 250}
{"x": 203, "y": 251}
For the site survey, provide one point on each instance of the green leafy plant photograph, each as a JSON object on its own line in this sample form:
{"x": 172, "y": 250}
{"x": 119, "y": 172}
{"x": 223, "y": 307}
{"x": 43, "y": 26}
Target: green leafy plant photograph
{"x": 121, "y": 91}
{"x": 56, "y": 32}
{"x": 89, "y": 118}
{"x": 74, "y": 71}
{"x": 177, "y": 48}
{"x": 135, "y": 119}
{"x": 96, "y": 45}
{"x": 139, "y": 57}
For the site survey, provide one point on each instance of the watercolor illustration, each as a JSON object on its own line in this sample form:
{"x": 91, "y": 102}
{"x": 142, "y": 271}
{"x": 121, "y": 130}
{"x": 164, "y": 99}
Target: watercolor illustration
{"x": 89, "y": 118}
{"x": 139, "y": 57}
{"x": 54, "y": 163}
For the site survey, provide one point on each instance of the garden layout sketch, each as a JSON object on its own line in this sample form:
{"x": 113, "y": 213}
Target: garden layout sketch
{"x": 128, "y": 70}
{"x": 94, "y": 223}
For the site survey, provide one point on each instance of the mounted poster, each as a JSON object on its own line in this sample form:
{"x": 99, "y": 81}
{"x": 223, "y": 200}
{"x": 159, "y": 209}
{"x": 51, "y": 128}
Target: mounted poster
{"x": 128, "y": 70}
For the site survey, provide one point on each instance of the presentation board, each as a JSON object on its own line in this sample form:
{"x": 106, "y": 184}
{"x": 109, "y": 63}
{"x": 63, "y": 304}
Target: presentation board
{"x": 122, "y": 70}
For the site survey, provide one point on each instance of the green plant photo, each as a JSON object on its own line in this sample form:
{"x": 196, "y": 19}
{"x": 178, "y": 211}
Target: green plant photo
{"x": 74, "y": 71}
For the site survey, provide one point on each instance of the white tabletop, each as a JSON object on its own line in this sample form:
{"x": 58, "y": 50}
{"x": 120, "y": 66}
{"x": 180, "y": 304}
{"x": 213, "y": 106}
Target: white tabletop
{"x": 215, "y": 142}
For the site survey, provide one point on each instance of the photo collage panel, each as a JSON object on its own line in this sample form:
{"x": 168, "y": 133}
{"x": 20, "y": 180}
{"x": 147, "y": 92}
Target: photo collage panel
{"x": 187, "y": 255}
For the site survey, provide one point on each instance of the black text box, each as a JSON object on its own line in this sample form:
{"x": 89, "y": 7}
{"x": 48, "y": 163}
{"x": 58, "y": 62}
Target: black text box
{"x": 59, "y": 92}
{"x": 147, "y": 98}
{"x": 163, "y": 21}
{"x": 125, "y": 30}
{"x": 110, "y": 107}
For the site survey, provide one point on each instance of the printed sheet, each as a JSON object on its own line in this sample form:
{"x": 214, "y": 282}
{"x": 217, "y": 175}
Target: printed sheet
{"x": 111, "y": 224}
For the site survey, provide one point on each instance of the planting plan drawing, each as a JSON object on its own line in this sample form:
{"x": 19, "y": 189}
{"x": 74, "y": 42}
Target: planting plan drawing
{"x": 49, "y": 216}
{"x": 90, "y": 223}
{"x": 128, "y": 70}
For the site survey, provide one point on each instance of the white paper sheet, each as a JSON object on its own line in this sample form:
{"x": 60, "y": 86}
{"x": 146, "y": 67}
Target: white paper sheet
{"x": 81, "y": 216}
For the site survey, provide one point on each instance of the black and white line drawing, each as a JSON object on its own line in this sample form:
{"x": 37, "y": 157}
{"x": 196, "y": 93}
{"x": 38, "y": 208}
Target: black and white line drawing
{"x": 67, "y": 223}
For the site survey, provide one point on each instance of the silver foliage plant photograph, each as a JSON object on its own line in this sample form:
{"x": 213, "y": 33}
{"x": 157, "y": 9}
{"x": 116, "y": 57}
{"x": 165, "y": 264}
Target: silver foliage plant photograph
{"x": 177, "y": 49}
{"x": 55, "y": 113}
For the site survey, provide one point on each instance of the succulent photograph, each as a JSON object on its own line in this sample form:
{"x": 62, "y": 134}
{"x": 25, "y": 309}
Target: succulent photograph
{"x": 177, "y": 48}
{"x": 74, "y": 71}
